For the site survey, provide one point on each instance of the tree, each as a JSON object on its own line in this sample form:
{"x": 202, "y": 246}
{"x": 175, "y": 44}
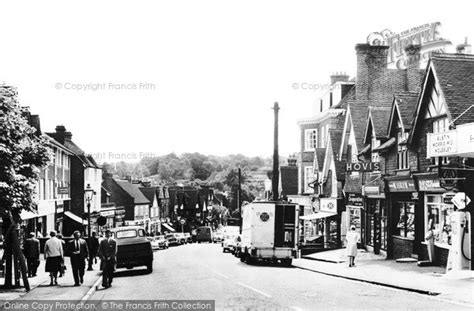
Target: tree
{"x": 22, "y": 153}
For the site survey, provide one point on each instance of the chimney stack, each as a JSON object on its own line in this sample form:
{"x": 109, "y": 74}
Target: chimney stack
{"x": 60, "y": 133}
{"x": 371, "y": 65}
{"x": 413, "y": 58}
{"x": 339, "y": 77}
{"x": 464, "y": 48}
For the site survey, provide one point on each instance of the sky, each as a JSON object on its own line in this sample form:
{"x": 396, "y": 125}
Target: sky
{"x": 145, "y": 78}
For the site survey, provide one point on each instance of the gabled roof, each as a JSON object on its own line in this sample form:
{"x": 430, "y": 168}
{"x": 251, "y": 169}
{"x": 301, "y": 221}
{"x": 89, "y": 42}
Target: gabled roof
{"x": 403, "y": 108}
{"x": 133, "y": 191}
{"x": 359, "y": 110}
{"x": 377, "y": 122}
{"x": 454, "y": 73}
{"x": 149, "y": 193}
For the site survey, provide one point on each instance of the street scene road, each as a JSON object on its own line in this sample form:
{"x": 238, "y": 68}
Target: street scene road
{"x": 203, "y": 271}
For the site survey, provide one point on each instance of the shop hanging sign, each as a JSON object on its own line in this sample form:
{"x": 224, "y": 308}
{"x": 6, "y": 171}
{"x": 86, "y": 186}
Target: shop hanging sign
{"x": 401, "y": 185}
{"x": 363, "y": 167}
{"x": 328, "y": 205}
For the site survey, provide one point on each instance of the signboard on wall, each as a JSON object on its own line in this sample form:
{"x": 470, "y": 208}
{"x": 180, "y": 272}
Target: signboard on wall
{"x": 363, "y": 167}
{"x": 441, "y": 144}
{"x": 407, "y": 185}
{"x": 63, "y": 190}
{"x": 328, "y": 205}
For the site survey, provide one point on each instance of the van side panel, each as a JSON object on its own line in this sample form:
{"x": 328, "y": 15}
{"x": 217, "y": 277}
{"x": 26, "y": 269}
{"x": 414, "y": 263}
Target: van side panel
{"x": 263, "y": 225}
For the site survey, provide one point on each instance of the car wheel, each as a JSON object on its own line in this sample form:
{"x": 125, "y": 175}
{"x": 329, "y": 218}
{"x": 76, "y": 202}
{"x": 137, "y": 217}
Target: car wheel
{"x": 248, "y": 259}
{"x": 287, "y": 262}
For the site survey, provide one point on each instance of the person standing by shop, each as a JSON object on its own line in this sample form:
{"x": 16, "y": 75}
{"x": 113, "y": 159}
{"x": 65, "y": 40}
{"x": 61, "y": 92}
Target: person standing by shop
{"x": 429, "y": 238}
{"x": 32, "y": 254}
{"x": 352, "y": 239}
{"x": 54, "y": 255}
{"x": 79, "y": 252}
{"x": 107, "y": 253}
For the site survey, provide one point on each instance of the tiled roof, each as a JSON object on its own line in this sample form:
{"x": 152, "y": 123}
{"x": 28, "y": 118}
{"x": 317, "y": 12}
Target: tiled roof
{"x": 455, "y": 74}
{"x": 133, "y": 191}
{"x": 406, "y": 103}
{"x": 359, "y": 112}
{"x": 320, "y": 154}
{"x": 149, "y": 192}
{"x": 349, "y": 96}
{"x": 380, "y": 117}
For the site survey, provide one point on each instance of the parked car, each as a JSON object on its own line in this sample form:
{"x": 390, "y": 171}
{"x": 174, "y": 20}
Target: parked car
{"x": 153, "y": 242}
{"x": 171, "y": 238}
{"x": 133, "y": 248}
{"x": 180, "y": 237}
{"x": 218, "y": 237}
{"x": 204, "y": 234}
{"x": 189, "y": 238}
{"x": 229, "y": 243}
{"x": 162, "y": 241}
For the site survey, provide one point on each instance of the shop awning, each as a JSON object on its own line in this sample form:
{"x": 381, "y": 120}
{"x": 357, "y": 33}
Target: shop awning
{"x": 318, "y": 215}
{"x": 76, "y": 218}
{"x": 168, "y": 227}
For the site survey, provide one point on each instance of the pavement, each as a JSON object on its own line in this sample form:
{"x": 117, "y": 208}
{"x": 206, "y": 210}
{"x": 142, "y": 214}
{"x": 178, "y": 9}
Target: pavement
{"x": 376, "y": 269}
{"x": 40, "y": 289}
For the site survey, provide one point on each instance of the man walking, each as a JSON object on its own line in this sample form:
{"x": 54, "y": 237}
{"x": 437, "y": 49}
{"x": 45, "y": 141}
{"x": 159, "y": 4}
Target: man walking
{"x": 79, "y": 252}
{"x": 32, "y": 253}
{"x": 107, "y": 253}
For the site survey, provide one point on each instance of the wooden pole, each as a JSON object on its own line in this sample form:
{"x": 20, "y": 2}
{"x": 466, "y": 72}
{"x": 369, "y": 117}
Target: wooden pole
{"x": 276, "y": 176}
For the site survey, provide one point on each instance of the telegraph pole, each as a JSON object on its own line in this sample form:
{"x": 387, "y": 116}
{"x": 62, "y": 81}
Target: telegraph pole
{"x": 239, "y": 200}
{"x": 276, "y": 157}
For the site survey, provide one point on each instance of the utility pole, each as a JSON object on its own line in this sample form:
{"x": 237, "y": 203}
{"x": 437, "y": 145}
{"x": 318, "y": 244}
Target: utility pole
{"x": 276, "y": 160}
{"x": 239, "y": 200}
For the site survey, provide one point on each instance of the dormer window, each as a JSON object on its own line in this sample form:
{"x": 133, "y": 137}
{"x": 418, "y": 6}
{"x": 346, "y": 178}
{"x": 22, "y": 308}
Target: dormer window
{"x": 374, "y": 144}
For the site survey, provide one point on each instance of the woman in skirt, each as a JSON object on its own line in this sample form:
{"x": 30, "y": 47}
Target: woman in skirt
{"x": 54, "y": 256}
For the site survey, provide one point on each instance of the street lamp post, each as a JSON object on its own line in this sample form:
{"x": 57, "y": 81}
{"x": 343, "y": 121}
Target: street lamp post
{"x": 89, "y": 193}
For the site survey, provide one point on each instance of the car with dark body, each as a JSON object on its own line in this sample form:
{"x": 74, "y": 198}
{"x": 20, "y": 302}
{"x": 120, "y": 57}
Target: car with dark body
{"x": 133, "y": 248}
{"x": 204, "y": 234}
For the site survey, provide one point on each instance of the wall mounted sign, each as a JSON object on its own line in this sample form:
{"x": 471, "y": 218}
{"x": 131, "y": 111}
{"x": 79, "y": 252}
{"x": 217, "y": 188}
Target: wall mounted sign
{"x": 63, "y": 190}
{"x": 401, "y": 185}
{"x": 363, "y": 167}
{"x": 355, "y": 199}
{"x": 431, "y": 184}
{"x": 328, "y": 205}
{"x": 441, "y": 144}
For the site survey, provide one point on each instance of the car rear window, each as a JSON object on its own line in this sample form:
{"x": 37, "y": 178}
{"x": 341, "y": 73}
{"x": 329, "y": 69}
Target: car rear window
{"x": 132, "y": 233}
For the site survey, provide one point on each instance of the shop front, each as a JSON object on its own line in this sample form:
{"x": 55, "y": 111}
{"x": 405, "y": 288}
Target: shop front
{"x": 404, "y": 214}
{"x": 437, "y": 207}
{"x": 354, "y": 214}
{"x": 375, "y": 229}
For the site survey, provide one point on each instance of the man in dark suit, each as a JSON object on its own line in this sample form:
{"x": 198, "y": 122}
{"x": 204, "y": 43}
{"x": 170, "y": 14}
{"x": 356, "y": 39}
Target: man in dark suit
{"x": 107, "y": 253}
{"x": 79, "y": 252}
{"x": 32, "y": 253}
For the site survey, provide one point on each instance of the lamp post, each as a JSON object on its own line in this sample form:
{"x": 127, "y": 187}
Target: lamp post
{"x": 89, "y": 193}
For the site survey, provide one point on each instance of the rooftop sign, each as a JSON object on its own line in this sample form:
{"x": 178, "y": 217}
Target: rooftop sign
{"x": 426, "y": 35}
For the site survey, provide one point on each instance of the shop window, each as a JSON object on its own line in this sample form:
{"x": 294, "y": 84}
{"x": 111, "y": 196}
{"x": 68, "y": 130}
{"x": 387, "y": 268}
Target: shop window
{"x": 440, "y": 212}
{"x": 383, "y": 226}
{"x": 406, "y": 223}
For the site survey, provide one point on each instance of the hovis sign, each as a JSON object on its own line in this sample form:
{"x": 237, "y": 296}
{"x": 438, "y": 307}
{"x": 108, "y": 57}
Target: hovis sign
{"x": 363, "y": 167}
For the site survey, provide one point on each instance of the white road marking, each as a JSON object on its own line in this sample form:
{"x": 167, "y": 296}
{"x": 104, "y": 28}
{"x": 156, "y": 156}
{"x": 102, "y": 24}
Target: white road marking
{"x": 254, "y": 289}
{"x": 240, "y": 283}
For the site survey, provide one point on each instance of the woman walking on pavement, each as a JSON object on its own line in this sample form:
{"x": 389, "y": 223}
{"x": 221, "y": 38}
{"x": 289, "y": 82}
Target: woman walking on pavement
{"x": 54, "y": 255}
{"x": 352, "y": 239}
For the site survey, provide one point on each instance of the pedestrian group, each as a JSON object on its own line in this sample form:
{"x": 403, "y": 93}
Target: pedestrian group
{"x": 55, "y": 249}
